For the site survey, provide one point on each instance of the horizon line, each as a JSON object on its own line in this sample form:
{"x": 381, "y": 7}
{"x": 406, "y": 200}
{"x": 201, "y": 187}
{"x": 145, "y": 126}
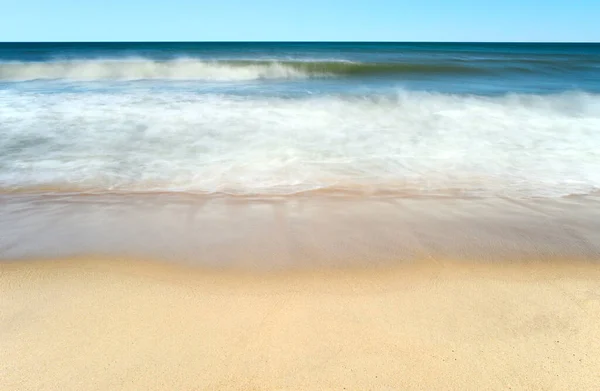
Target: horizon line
{"x": 312, "y": 41}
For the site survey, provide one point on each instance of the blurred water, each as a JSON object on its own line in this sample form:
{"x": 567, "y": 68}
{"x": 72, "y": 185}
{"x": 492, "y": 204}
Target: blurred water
{"x": 516, "y": 120}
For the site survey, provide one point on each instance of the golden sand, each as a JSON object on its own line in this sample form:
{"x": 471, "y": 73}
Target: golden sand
{"x": 117, "y": 324}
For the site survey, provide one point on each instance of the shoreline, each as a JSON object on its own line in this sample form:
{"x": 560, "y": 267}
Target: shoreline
{"x": 305, "y": 232}
{"x": 131, "y": 324}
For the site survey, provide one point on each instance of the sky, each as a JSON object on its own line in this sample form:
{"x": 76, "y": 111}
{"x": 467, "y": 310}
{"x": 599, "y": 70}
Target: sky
{"x": 300, "y": 20}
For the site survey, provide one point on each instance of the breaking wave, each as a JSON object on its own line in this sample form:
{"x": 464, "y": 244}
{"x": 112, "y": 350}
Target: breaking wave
{"x": 230, "y": 70}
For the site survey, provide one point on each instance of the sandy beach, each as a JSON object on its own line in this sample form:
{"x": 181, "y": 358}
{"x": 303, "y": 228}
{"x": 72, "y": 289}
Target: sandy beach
{"x": 298, "y": 216}
{"x": 99, "y": 324}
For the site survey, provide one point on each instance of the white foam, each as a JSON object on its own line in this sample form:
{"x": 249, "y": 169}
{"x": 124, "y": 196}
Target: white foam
{"x": 139, "y": 68}
{"x": 418, "y": 143}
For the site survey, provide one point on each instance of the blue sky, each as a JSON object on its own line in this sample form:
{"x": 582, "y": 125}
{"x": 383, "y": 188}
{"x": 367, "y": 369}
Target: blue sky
{"x": 283, "y": 20}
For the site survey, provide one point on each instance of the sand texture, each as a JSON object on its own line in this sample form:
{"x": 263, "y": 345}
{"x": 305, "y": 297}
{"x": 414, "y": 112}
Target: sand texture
{"x": 131, "y": 325}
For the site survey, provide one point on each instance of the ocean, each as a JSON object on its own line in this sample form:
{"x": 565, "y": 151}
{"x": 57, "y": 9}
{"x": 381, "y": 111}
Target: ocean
{"x": 299, "y": 154}
{"x": 459, "y": 119}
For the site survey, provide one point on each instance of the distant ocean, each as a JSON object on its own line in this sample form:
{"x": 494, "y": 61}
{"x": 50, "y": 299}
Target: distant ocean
{"x": 459, "y": 119}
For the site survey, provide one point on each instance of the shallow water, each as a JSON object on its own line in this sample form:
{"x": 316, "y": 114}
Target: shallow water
{"x": 298, "y": 232}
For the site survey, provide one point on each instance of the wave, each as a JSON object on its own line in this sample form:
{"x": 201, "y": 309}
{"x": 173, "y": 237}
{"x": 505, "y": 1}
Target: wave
{"x": 414, "y": 142}
{"x": 228, "y": 70}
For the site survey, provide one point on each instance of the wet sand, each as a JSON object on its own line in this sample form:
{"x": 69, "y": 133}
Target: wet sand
{"x": 297, "y": 232}
{"x": 92, "y": 324}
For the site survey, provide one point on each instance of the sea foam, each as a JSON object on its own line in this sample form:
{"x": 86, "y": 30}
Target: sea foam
{"x": 218, "y": 70}
{"x": 411, "y": 143}
{"x": 149, "y": 69}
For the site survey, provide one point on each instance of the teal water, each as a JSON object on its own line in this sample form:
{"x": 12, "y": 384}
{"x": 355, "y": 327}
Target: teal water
{"x": 448, "y": 67}
{"x": 481, "y": 119}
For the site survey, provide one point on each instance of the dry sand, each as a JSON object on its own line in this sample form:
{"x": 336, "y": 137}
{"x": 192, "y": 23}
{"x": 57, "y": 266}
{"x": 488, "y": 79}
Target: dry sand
{"x": 116, "y": 324}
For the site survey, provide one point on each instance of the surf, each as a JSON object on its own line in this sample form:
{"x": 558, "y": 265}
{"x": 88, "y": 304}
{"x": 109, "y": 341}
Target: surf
{"x": 216, "y": 70}
{"x": 410, "y": 143}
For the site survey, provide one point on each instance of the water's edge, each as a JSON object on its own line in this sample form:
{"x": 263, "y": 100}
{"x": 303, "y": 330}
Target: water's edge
{"x": 298, "y": 232}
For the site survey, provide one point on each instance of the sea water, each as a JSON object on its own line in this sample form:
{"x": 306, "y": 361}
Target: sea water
{"x": 460, "y": 119}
